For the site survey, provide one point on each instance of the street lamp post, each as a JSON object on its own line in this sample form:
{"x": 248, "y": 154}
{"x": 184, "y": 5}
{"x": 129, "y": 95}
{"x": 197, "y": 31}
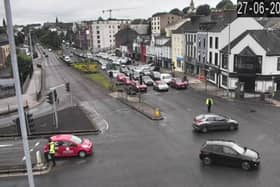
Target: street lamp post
{"x": 18, "y": 92}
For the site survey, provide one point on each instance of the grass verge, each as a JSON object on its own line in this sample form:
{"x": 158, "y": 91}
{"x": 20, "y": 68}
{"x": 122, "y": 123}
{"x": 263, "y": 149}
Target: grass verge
{"x": 101, "y": 79}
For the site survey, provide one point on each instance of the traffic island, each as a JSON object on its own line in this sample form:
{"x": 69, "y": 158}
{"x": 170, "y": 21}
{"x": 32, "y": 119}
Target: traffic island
{"x": 135, "y": 103}
{"x": 13, "y": 169}
{"x": 71, "y": 120}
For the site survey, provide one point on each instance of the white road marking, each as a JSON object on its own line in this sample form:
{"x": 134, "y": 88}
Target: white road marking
{"x": 6, "y": 145}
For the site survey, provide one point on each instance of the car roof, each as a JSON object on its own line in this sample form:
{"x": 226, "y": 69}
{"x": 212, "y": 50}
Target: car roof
{"x": 228, "y": 143}
{"x": 211, "y": 115}
{"x": 61, "y": 137}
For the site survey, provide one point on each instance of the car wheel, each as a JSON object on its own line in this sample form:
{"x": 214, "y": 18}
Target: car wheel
{"x": 204, "y": 130}
{"x": 207, "y": 160}
{"x": 232, "y": 127}
{"x": 82, "y": 154}
{"x": 245, "y": 165}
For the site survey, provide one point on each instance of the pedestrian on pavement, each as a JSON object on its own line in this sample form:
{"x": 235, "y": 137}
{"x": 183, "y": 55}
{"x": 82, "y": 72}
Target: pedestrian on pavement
{"x": 184, "y": 78}
{"x": 52, "y": 151}
{"x": 209, "y": 102}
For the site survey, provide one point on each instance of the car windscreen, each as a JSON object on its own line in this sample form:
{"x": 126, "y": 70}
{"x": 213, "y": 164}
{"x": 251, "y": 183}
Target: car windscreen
{"x": 76, "y": 139}
{"x": 238, "y": 148}
{"x": 200, "y": 117}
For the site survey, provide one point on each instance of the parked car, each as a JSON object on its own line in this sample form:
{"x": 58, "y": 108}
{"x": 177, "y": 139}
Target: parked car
{"x": 139, "y": 87}
{"x": 178, "y": 83}
{"x": 207, "y": 122}
{"x": 148, "y": 81}
{"x": 160, "y": 86}
{"x": 155, "y": 75}
{"x": 136, "y": 75}
{"x": 127, "y": 81}
{"x": 227, "y": 152}
{"x": 120, "y": 77}
{"x": 67, "y": 145}
{"x": 166, "y": 77}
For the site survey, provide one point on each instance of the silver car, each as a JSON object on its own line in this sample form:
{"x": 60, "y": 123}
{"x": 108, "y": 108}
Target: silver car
{"x": 208, "y": 122}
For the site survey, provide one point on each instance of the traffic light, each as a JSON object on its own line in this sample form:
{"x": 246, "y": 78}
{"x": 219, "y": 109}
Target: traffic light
{"x": 55, "y": 95}
{"x": 141, "y": 79}
{"x": 50, "y": 98}
{"x": 67, "y": 86}
{"x": 29, "y": 118}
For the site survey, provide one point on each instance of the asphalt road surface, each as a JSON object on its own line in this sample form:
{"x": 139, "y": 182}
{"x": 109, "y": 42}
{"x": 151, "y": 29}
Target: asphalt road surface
{"x": 135, "y": 151}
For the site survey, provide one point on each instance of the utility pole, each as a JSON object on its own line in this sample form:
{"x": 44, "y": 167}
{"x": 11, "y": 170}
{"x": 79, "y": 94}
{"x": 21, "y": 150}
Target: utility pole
{"x": 18, "y": 92}
{"x": 228, "y": 58}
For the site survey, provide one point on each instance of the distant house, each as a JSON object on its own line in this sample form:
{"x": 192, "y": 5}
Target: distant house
{"x": 124, "y": 40}
{"x": 161, "y": 20}
{"x": 4, "y": 50}
{"x": 141, "y": 26}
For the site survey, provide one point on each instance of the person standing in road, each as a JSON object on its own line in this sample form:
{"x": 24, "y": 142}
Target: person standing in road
{"x": 209, "y": 102}
{"x": 52, "y": 151}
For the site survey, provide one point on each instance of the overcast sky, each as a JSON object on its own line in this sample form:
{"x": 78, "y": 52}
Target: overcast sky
{"x": 40, "y": 11}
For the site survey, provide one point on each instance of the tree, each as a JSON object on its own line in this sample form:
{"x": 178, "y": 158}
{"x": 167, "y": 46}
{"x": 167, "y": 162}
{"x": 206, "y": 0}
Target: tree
{"x": 203, "y": 10}
{"x": 19, "y": 38}
{"x": 185, "y": 10}
{"x": 176, "y": 11}
{"x": 225, "y": 4}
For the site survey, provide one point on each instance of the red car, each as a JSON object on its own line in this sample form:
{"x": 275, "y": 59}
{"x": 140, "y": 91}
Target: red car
{"x": 67, "y": 145}
{"x": 120, "y": 77}
{"x": 139, "y": 87}
{"x": 127, "y": 81}
{"x": 178, "y": 83}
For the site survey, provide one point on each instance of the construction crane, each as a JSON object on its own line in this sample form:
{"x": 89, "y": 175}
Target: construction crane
{"x": 116, "y": 9}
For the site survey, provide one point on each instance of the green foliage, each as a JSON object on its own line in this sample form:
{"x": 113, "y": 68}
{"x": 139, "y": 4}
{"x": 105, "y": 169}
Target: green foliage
{"x": 203, "y": 10}
{"x": 185, "y": 10}
{"x": 176, "y": 11}
{"x": 49, "y": 39}
{"x": 102, "y": 80}
{"x": 225, "y": 4}
{"x": 86, "y": 67}
{"x": 19, "y": 38}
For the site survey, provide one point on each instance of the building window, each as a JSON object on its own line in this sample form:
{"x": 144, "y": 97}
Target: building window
{"x": 158, "y": 28}
{"x": 194, "y": 38}
{"x": 203, "y": 59}
{"x": 97, "y": 27}
{"x": 210, "y": 57}
{"x": 110, "y": 36}
{"x": 204, "y": 43}
{"x": 199, "y": 57}
{"x": 199, "y": 43}
{"x": 278, "y": 64}
{"x": 224, "y": 80}
{"x": 98, "y": 37}
{"x": 194, "y": 52}
{"x": 191, "y": 38}
{"x": 212, "y": 75}
{"x": 97, "y": 32}
{"x": 216, "y": 59}
{"x": 99, "y": 46}
{"x": 98, "y": 41}
{"x": 211, "y": 42}
{"x": 224, "y": 61}
{"x": 119, "y": 26}
{"x": 216, "y": 42}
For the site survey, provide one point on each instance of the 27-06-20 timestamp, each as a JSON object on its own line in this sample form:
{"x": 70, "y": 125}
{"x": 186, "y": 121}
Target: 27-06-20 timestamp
{"x": 258, "y": 8}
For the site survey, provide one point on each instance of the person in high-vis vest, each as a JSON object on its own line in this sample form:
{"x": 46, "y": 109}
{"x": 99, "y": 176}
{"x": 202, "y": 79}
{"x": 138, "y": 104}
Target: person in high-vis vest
{"x": 209, "y": 102}
{"x": 52, "y": 151}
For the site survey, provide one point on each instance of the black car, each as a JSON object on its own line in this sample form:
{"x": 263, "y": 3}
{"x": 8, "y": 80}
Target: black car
{"x": 207, "y": 122}
{"x": 229, "y": 153}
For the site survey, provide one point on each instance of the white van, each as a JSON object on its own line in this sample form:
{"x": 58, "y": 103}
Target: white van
{"x": 166, "y": 77}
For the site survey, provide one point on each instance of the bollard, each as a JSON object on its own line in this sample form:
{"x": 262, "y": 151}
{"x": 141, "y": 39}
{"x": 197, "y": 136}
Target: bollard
{"x": 39, "y": 159}
{"x": 157, "y": 112}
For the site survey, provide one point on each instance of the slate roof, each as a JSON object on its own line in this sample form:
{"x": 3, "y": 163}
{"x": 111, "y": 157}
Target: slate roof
{"x": 273, "y": 23}
{"x": 269, "y": 41}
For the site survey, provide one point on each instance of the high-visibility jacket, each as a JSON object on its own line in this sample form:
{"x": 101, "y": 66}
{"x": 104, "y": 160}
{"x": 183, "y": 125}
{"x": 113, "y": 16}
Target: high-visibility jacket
{"x": 52, "y": 148}
{"x": 209, "y": 101}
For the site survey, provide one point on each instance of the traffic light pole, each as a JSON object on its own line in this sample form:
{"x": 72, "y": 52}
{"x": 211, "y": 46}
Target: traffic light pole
{"x": 55, "y": 111}
{"x": 18, "y": 93}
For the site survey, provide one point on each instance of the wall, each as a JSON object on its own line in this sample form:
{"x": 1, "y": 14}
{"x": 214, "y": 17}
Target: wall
{"x": 178, "y": 49}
